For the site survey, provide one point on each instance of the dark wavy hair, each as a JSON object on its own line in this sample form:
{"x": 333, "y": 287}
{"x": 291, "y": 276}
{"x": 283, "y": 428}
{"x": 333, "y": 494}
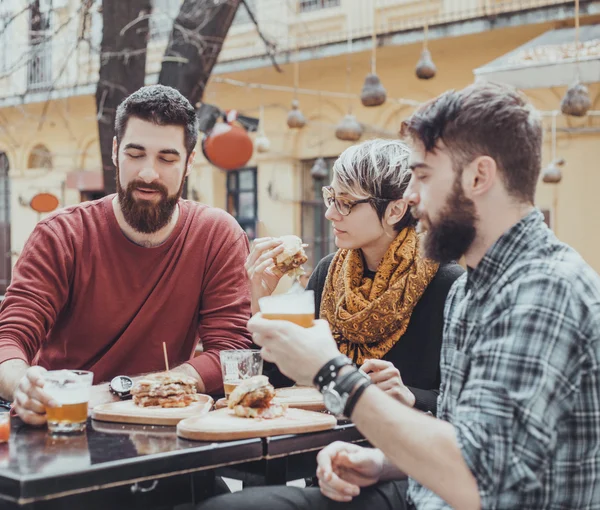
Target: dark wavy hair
{"x": 484, "y": 119}
{"x": 164, "y": 106}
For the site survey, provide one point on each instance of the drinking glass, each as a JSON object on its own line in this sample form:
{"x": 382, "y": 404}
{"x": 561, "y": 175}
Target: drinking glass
{"x": 237, "y": 365}
{"x": 71, "y": 389}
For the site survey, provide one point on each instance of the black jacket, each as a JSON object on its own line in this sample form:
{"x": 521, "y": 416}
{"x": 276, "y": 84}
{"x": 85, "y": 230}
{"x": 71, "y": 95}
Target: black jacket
{"x": 417, "y": 353}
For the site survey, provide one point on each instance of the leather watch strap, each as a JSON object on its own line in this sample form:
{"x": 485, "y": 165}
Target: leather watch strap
{"x": 330, "y": 370}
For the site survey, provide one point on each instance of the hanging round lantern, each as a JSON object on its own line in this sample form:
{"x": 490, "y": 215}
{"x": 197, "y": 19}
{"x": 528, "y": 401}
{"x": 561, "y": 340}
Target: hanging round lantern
{"x": 227, "y": 146}
{"x": 425, "y": 67}
{"x": 349, "y": 129}
{"x": 295, "y": 118}
{"x": 319, "y": 170}
{"x": 44, "y": 202}
{"x": 373, "y": 93}
{"x": 552, "y": 173}
{"x": 577, "y": 100}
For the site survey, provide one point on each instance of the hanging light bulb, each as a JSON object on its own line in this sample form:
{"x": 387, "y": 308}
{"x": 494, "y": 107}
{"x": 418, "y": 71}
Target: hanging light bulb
{"x": 576, "y": 101}
{"x": 295, "y": 118}
{"x": 552, "y": 173}
{"x": 425, "y": 67}
{"x": 319, "y": 170}
{"x": 349, "y": 129}
{"x": 262, "y": 143}
{"x": 373, "y": 93}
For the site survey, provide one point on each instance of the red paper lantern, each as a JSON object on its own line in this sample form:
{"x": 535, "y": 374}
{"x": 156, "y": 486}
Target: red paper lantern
{"x": 44, "y": 202}
{"x": 227, "y": 146}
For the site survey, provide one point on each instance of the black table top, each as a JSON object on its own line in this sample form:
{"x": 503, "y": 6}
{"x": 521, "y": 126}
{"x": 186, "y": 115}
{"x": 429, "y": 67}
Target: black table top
{"x": 293, "y": 444}
{"x": 34, "y": 464}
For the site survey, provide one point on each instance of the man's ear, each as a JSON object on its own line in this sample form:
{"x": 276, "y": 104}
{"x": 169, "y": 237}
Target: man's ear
{"x": 480, "y": 175}
{"x": 190, "y": 162}
{"x": 115, "y": 150}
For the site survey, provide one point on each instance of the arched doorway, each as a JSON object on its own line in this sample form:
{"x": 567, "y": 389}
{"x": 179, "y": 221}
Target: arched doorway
{"x": 5, "y": 251}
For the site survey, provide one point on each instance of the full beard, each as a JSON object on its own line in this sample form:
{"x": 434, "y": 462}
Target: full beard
{"x": 146, "y": 216}
{"x": 450, "y": 237}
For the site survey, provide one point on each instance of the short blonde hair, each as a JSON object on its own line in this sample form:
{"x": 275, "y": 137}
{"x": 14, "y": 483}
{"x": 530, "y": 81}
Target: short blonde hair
{"x": 376, "y": 169}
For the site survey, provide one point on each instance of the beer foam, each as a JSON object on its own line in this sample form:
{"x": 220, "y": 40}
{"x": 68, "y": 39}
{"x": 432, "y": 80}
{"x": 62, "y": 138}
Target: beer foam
{"x": 69, "y": 395}
{"x": 295, "y": 303}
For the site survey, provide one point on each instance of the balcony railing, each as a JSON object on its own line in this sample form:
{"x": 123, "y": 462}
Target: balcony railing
{"x": 37, "y": 68}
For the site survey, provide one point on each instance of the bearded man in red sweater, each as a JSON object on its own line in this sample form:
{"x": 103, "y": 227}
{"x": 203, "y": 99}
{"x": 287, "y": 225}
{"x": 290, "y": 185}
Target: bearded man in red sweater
{"x": 101, "y": 285}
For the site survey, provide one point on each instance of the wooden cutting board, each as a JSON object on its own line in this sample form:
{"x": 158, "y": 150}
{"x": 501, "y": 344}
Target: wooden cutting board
{"x": 127, "y": 412}
{"x": 300, "y": 397}
{"x": 223, "y": 425}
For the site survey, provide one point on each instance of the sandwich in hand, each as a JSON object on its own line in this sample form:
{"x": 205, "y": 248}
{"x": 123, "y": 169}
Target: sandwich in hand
{"x": 253, "y": 398}
{"x": 167, "y": 389}
{"x": 293, "y": 256}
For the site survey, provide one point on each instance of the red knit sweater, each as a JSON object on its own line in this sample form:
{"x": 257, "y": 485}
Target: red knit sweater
{"x": 85, "y": 297}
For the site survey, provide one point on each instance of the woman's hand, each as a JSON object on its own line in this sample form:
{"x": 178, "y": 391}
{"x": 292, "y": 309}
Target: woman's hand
{"x": 387, "y": 378}
{"x": 263, "y": 274}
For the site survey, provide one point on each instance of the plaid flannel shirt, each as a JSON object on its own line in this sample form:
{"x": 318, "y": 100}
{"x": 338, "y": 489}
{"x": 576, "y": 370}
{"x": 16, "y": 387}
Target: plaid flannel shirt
{"x": 520, "y": 374}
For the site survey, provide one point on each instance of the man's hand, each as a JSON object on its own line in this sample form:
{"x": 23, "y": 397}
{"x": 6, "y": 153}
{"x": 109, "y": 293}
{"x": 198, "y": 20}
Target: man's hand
{"x": 387, "y": 378}
{"x": 30, "y": 399}
{"x": 298, "y": 352}
{"x": 343, "y": 468}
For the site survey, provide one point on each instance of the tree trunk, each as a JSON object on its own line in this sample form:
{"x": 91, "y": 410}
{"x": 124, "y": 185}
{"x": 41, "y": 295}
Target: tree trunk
{"x": 194, "y": 45}
{"x": 122, "y": 69}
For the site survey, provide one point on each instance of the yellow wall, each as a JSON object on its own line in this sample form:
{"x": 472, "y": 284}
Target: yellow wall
{"x": 70, "y": 129}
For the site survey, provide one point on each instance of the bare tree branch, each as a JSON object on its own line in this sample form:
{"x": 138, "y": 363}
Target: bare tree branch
{"x": 196, "y": 39}
{"x": 270, "y": 45}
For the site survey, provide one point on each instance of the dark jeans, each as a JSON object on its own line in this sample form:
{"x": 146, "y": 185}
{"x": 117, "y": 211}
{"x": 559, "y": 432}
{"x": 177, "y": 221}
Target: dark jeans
{"x": 383, "y": 496}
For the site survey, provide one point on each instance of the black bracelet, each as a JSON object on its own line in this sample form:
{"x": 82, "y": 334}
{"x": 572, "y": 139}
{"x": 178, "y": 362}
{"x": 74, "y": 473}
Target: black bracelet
{"x": 330, "y": 371}
{"x": 353, "y": 399}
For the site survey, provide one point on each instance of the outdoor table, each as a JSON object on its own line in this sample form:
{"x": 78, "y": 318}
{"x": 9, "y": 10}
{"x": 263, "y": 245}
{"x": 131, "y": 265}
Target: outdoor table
{"x": 112, "y": 466}
{"x": 291, "y": 457}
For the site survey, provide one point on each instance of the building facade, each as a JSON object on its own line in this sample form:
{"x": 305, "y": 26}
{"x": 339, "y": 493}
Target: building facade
{"x": 48, "y": 132}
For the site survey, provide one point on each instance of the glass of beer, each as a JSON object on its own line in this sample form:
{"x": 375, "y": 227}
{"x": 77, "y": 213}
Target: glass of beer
{"x": 238, "y": 365}
{"x": 71, "y": 389}
{"x": 296, "y": 307}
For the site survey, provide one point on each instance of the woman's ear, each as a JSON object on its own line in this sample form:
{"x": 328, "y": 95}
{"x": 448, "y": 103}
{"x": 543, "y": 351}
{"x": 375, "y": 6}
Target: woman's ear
{"x": 395, "y": 211}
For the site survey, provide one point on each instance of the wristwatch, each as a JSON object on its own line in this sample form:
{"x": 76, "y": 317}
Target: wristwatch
{"x": 121, "y": 387}
{"x": 338, "y": 391}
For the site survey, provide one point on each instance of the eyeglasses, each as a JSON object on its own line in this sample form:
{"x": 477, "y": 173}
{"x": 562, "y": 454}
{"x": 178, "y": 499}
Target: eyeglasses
{"x": 344, "y": 207}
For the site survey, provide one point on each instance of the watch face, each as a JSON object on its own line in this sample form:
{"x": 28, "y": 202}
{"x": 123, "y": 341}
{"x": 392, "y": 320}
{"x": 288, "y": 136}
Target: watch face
{"x": 121, "y": 384}
{"x": 333, "y": 402}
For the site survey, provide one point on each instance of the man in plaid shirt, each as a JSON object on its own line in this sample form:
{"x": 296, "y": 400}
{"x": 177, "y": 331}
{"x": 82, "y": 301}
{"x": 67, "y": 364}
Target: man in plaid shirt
{"x": 519, "y": 407}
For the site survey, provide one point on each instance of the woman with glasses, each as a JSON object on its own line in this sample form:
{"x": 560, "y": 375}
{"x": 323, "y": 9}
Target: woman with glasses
{"x": 383, "y": 300}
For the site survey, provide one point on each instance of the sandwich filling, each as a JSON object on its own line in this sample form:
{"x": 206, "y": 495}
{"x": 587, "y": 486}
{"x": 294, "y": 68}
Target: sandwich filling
{"x": 164, "y": 390}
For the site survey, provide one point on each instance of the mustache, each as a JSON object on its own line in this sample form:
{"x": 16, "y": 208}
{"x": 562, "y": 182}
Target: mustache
{"x": 156, "y": 186}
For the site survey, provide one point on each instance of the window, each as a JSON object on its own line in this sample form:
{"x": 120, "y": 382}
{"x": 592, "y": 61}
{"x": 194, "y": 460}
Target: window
{"x": 5, "y": 35}
{"x": 242, "y": 198}
{"x": 316, "y": 229}
{"x": 5, "y": 250}
{"x": 315, "y": 5}
{"x": 241, "y": 16}
{"x": 40, "y": 157}
{"x": 39, "y": 64}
